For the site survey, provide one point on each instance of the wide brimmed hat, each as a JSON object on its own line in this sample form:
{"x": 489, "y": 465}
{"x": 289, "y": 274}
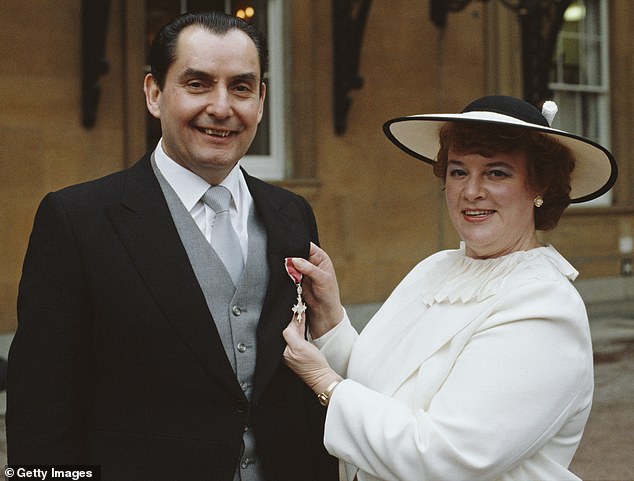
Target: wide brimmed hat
{"x": 595, "y": 168}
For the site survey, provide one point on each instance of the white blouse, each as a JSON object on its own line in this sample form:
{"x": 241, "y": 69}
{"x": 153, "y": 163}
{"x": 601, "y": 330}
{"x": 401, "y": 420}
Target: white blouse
{"x": 471, "y": 370}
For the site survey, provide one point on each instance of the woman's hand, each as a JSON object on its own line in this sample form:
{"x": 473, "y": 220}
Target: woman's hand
{"x": 306, "y": 360}
{"x": 320, "y": 290}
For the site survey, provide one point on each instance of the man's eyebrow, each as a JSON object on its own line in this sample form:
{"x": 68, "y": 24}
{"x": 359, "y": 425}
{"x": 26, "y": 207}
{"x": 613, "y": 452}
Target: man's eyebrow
{"x": 195, "y": 73}
{"x": 245, "y": 77}
{"x": 201, "y": 74}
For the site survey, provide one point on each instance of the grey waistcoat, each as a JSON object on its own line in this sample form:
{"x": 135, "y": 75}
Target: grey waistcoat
{"x": 236, "y": 310}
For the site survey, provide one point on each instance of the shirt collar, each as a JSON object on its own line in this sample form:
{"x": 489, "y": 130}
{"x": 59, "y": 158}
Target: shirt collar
{"x": 189, "y": 186}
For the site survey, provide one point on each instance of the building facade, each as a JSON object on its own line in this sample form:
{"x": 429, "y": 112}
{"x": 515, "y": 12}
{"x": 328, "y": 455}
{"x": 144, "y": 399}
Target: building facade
{"x": 72, "y": 109}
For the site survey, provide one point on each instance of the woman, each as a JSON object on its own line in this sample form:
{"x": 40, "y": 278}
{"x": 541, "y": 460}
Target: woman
{"x": 479, "y": 364}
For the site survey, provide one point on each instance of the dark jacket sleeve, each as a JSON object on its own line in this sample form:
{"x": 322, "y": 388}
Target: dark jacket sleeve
{"x": 47, "y": 362}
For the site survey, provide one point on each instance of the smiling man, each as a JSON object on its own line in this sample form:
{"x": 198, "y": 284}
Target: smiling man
{"x": 150, "y": 316}
{"x": 210, "y": 102}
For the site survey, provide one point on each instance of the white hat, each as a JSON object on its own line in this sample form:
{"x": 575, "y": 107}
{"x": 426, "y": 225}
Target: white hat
{"x": 595, "y": 169}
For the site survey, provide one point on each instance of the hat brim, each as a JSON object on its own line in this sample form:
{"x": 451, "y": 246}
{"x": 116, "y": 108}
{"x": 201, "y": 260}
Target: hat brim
{"x": 595, "y": 169}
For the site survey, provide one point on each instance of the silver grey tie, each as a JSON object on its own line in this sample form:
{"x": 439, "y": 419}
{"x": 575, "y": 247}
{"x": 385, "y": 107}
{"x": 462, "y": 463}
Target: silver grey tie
{"x": 224, "y": 239}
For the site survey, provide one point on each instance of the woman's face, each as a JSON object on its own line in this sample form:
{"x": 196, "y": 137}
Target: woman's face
{"x": 490, "y": 202}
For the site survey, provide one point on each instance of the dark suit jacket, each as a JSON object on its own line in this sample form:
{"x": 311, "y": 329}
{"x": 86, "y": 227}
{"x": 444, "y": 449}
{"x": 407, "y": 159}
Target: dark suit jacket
{"x": 117, "y": 361}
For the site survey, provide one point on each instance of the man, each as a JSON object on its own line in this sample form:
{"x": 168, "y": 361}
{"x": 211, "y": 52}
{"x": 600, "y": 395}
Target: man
{"x": 139, "y": 348}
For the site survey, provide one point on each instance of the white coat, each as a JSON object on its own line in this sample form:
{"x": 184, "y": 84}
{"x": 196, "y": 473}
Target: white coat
{"x": 471, "y": 370}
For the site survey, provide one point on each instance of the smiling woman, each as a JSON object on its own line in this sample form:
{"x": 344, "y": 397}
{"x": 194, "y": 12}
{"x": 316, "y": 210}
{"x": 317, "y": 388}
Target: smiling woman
{"x": 490, "y": 202}
{"x": 555, "y": 168}
{"x": 479, "y": 364}
{"x": 549, "y": 163}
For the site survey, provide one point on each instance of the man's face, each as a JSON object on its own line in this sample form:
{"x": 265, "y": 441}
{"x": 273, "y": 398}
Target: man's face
{"x": 212, "y": 101}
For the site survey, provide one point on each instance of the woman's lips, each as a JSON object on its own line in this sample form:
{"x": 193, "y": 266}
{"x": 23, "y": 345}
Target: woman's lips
{"x": 476, "y": 215}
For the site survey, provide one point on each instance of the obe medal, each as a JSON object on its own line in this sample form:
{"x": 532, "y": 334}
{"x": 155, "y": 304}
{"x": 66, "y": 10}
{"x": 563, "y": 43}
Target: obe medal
{"x": 300, "y": 307}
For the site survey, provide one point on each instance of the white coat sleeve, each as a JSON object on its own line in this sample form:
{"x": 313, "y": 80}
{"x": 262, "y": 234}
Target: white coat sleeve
{"x": 336, "y": 345}
{"x": 518, "y": 379}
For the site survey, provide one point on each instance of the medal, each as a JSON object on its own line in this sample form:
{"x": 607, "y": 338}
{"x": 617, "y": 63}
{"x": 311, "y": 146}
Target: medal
{"x": 300, "y": 307}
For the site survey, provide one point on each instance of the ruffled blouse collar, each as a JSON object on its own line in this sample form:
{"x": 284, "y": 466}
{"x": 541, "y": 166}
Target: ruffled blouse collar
{"x": 459, "y": 278}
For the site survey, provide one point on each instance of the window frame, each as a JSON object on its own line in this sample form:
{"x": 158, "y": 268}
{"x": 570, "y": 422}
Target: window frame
{"x": 273, "y": 166}
{"x": 600, "y": 91}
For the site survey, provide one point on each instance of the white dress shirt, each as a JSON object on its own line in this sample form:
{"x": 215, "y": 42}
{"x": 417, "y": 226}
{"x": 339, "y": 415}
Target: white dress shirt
{"x": 190, "y": 188}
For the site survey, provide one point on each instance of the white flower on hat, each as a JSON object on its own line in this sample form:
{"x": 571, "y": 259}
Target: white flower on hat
{"x": 549, "y": 110}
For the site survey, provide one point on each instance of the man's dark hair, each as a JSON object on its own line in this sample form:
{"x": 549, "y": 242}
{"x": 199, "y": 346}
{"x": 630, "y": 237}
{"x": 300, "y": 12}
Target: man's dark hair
{"x": 163, "y": 49}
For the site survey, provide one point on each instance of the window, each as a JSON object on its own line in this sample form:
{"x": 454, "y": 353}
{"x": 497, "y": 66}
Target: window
{"x": 580, "y": 74}
{"x": 266, "y": 157}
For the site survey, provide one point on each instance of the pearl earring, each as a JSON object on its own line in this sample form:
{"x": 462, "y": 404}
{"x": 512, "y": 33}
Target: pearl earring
{"x": 538, "y": 201}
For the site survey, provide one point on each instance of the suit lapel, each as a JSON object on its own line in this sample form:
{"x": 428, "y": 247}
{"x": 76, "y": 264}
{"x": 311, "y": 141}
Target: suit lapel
{"x": 145, "y": 226}
{"x": 287, "y": 236}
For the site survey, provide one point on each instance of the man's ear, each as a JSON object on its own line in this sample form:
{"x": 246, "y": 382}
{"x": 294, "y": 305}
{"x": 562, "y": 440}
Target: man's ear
{"x": 152, "y": 95}
{"x": 262, "y": 97}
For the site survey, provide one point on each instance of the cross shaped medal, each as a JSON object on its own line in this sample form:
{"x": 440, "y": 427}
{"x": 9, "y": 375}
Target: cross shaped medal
{"x": 300, "y": 307}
